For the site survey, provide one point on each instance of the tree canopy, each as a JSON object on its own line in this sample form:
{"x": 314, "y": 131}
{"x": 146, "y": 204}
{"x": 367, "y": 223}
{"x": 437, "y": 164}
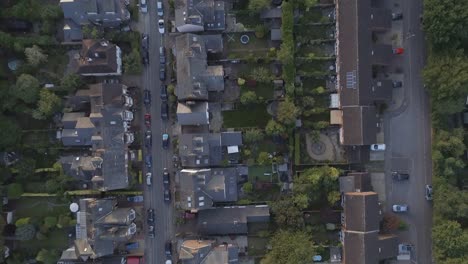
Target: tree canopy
{"x": 274, "y": 128}
{"x": 35, "y": 55}
{"x": 287, "y": 213}
{"x": 258, "y": 5}
{"x": 253, "y": 135}
{"x": 248, "y": 97}
{"x": 132, "y": 62}
{"x": 71, "y": 82}
{"x": 290, "y": 247}
{"x": 26, "y": 88}
{"x": 287, "y": 112}
{"x": 450, "y": 240}
{"x": 48, "y": 104}
{"x": 319, "y": 183}
{"x": 9, "y": 132}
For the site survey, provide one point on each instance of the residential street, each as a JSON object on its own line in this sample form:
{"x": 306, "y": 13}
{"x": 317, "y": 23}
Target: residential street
{"x": 408, "y": 137}
{"x": 154, "y": 252}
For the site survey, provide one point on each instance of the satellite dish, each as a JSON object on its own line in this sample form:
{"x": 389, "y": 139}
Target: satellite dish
{"x": 74, "y": 207}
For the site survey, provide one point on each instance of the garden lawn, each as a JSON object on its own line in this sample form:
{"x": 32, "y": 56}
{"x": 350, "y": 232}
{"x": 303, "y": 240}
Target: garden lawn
{"x": 40, "y": 207}
{"x": 246, "y": 116}
{"x": 257, "y": 172}
{"x": 314, "y": 15}
{"x": 264, "y": 90}
{"x": 257, "y": 246}
{"x": 56, "y": 239}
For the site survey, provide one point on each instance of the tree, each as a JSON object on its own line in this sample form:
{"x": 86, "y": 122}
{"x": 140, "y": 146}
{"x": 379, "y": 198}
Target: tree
{"x": 25, "y": 168}
{"x": 261, "y": 74}
{"x": 290, "y": 247}
{"x": 35, "y": 55}
{"x": 9, "y": 132}
{"x": 47, "y": 105}
{"x": 47, "y": 256}
{"x": 253, "y": 135}
{"x": 449, "y": 201}
{"x": 446, "y": 76}
{"x": 333, "y": 197}
{"x": 64, "y": 221}
{"x": 26, "y": 88}
{"x": 260, "y": 31}
{"x": 307, "y": 101}
{"x": 247, "y": 187}
{"x": 132, "y": 62}
{"x": 287, "y": 213}
{"x": 301, "y": 200}
{"x": 71, "y": 82}
{"x": 448, "y": 147}
{"x": 287, "y": 112}
{"x": 22, "y": 221}
{"x": 445, "y": 22}
{"x": 318, "y": 183}
{"x": 274, "y": 128}
{"x": 318, "y": 90}
{"x": 258, "y": 5}
{"x": 14, "y": 190}
{"x": 248, "y": 97}
{"x": 25, "y": 232}
{"x": 263, "y": 158}
{"x": 51, "y": 12}
{"x": 450, "y": 240}
{"x": 50, "y": 221}
{"x": 240, "y": 81}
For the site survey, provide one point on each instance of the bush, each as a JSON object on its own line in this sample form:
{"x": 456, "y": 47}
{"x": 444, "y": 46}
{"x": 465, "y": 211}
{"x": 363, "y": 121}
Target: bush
{"x": 247, "y": 187}
{"x": 260, "y": 31}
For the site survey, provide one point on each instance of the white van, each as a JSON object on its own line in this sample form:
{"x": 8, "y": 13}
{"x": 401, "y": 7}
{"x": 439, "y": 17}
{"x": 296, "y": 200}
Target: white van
{"x": 143, "y": 6}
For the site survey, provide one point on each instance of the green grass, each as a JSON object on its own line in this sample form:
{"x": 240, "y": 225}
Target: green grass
{"x": 40, "y": 207}
{"x": 253, "y": 44}
{"x": 248, "y": 19}
{"x": 257, "y": 246}
{"x": 257, "y": 172}
{"x": 246, "y": 116}
{"x": 264, "y": 90}
{"x": 314, "y": 15}
{"x": 311, "y": 83}
{"x": 56, "y": 239}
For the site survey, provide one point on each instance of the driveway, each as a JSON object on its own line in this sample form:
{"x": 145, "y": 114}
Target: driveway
{"x": 408, "y": 137}
{"x": 154, "y": 198}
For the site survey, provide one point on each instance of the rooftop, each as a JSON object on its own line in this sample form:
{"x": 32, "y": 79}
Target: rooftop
{"x": 98, "y": 58}
{"x": 199, "y": 15}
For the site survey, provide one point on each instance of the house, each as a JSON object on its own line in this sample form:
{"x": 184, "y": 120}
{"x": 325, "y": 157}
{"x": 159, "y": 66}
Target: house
{"x": 272, "y": 17}
{"x": 201, "y": 189}
{"x": 80, "y": 13}
{"x": 194, "y": 77}
{"x": 199, "y": 15}
{"x": 209, "y": 149}
{"x": 98, "y": 58}
{"x": 101, "y": 227}
{"x": 69, "y": 257}
{"x": 358, "y": 90}
{"x": 205, "y": 252}
{"x": 361, "y": 217}
{"x": 231, "y": 220}
{"x": 193, "y": 114}
{"x": 105, "y": 130}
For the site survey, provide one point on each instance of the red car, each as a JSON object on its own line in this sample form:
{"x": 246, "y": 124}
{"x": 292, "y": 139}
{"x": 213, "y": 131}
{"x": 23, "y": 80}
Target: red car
{"x": 148, "y": 120}
{"x": 398, "y": 51}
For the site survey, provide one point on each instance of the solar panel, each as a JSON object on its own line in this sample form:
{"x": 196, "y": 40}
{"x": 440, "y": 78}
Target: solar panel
{"x": 351, "y": 80}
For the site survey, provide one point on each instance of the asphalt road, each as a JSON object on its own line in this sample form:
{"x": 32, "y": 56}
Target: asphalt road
{"x": 408, "y": 137}
{"x": 154, "y": 198}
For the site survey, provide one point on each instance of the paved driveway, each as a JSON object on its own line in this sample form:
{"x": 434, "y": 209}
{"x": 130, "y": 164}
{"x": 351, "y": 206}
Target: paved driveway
{"x": 154, "y": 252}
{"x": 408, "y": 137}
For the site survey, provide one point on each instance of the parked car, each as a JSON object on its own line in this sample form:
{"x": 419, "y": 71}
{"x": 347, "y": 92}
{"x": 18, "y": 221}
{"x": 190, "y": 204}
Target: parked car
{"x": 148, "y": 120}
{"x": 405, "y": 248}
{"x": 145, "y": 57}
{"x": 164, "y": 111}
{"x": 398, "y": 51}
{"x": 144, "y": 41}
{"x": 162, "y": 73}
{"x": 149, "y": 161}
{"x": 429, "y": 192}
{"x": 165, "y": 141}
{"x": 397, "y": 16}
{"x": 135, "y": 199}
{"x": 151, "y": 232}
{"x": 166, "y": 177}
{"x": 149, "y": 178}
{"x": 397, "y": 84}
{"x": 147, "y": 97}
{"x": 168, "y": 249}
{"x": 161, "y": 26}
{"x": 143, "y": 6}
{"x": 400, "y": 208}
{"x": 167, "y": 195}
{"x": 377, "y": 147}
{"x": 159, "y": 7}
{"x": 162, "y": 55}
{"x": 150, "y": 216}
{"x": 400, "y": 176}
{"x": 148, "y": 139}
{"x": 163, "y": 92}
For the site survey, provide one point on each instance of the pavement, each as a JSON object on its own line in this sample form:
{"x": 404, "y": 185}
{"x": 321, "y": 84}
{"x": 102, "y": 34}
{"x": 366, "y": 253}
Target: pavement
{"x": 408, "y": 139}
{"x": 154, "y": 198}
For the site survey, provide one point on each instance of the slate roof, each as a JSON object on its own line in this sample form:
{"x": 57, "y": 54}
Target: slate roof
{"x": 194, "y": 251}
{"x": 361, "y": 210}
{"x": 356, "y": 53}
{"x": 78, "y": 13}
{"x": 205, "y": 150}
{"x": 82, "y": 168}
{"x": 193, "y": 114}
{"x": 101, "y": 226}
{"x": 231, "y": 220}
{"x": 200, "y": 189}
{"x": 98, "y": 58}
{"x": 368, "y": 248}
{"x": 194, "y": 77}
{"x": 104, "y": 130}
{"x": 199, "y": 15}
{"x": 271, "y": 13}
{"x": 355, "y": 182}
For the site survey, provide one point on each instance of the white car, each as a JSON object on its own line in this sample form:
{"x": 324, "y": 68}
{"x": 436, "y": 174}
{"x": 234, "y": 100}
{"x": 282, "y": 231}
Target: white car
{"x": 159, "y": 8}
{"x": 143, "y": 6}
{"x": 400, "y": 208}
{"x": 149, "y": 178}
{"x": 161, "y": 26}
{"x": 377, "y": 147}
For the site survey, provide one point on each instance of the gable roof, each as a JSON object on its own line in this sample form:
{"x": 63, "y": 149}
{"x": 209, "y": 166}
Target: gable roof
{"x": 201, "y": 188}
{"x": 99, "y": 58}
{"x": 355, "y": 182}
{"x": 199, "y": 15}
{"x": 194, "y": 77}
{"x": 231, "y": 220}
{"x": 359, "y": 125}
{"x": 361, "y": 210}
{"x": 193, "y": 114}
